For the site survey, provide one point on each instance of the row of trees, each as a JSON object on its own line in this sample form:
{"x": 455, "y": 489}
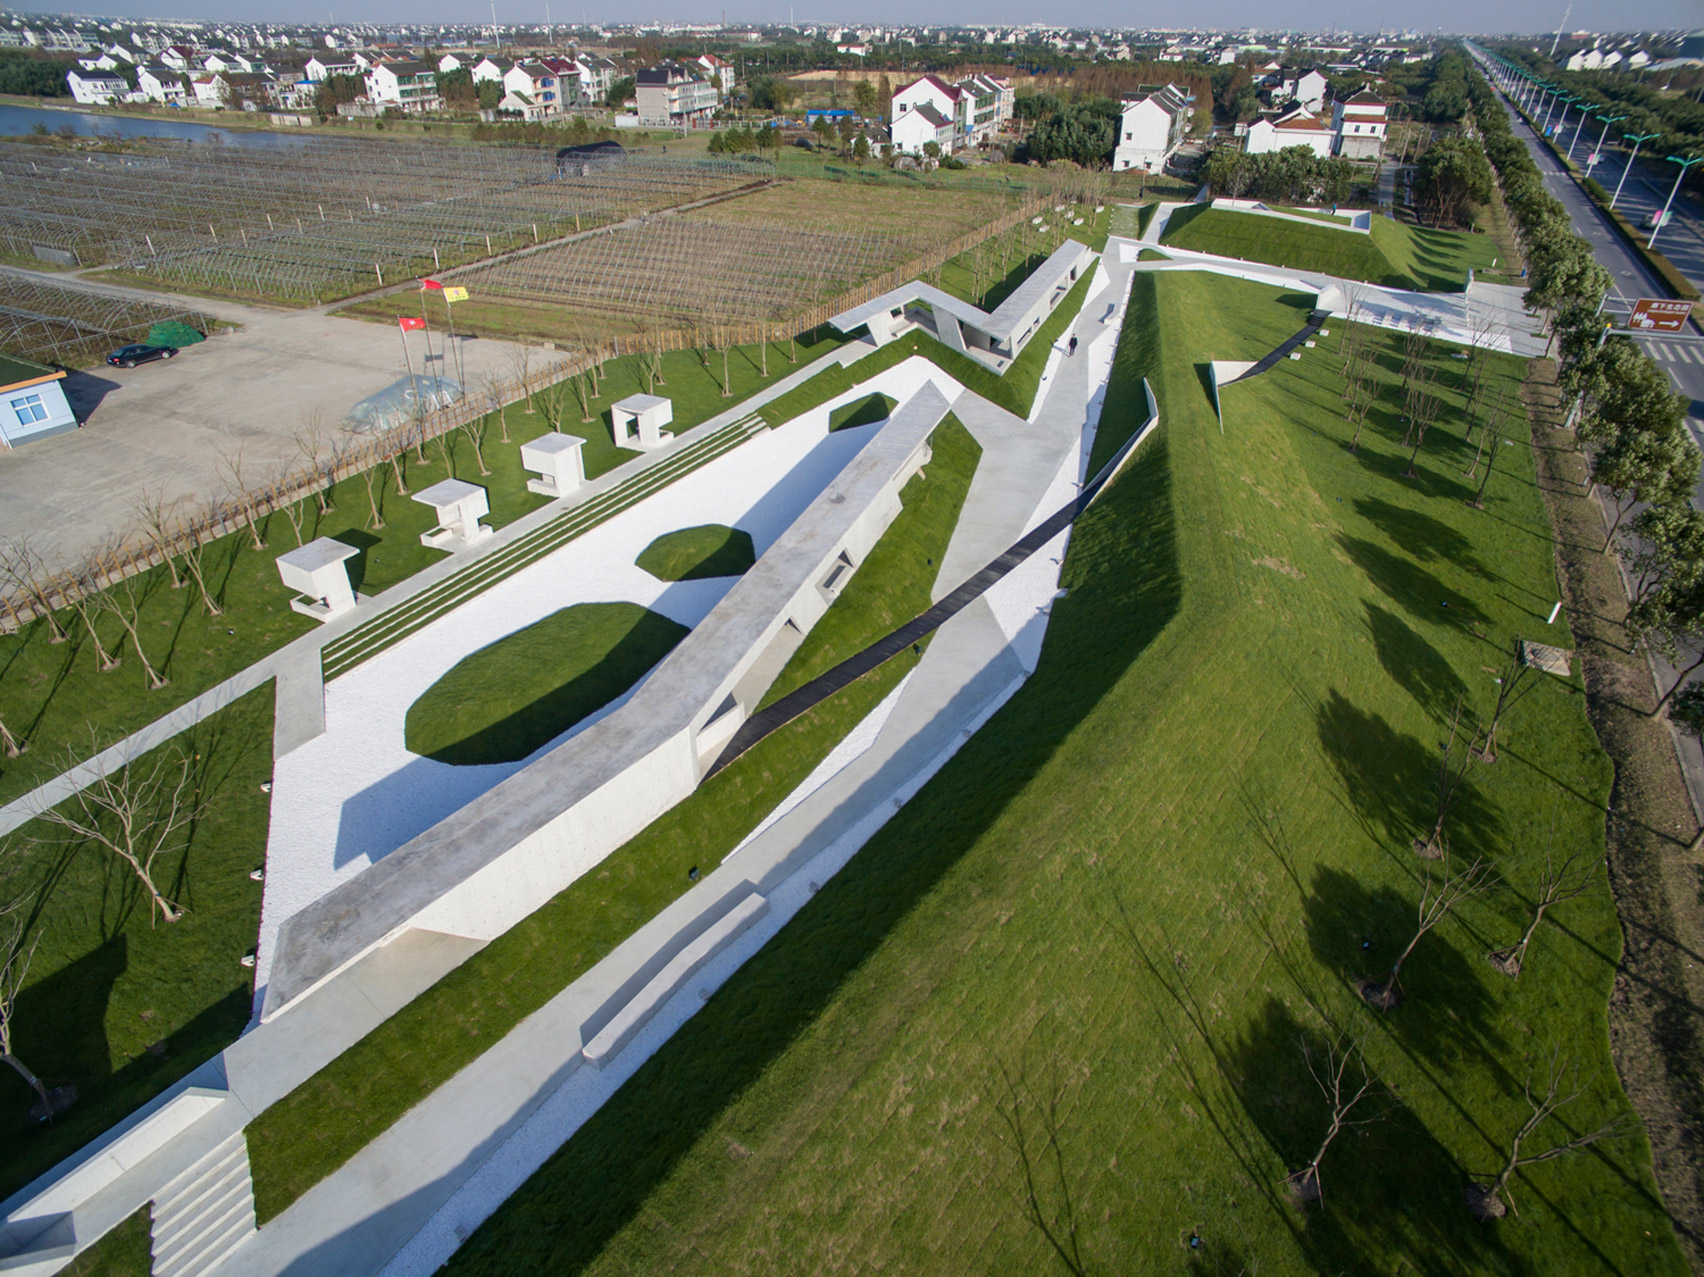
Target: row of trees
{"x": 1293, "y": 175}
{"x": 1631, "y": 423}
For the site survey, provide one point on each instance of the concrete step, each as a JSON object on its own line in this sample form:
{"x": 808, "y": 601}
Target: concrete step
{"x": 204, "y": 1214}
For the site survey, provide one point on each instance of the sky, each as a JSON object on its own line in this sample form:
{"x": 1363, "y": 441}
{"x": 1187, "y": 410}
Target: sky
{"x": 1464, "y": 16}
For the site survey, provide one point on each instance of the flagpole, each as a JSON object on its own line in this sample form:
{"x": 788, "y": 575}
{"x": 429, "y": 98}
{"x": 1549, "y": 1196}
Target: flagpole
{"x": 408, "y": 363}
{"x": 428, "y": 324}
{"x": 450, "y": 318}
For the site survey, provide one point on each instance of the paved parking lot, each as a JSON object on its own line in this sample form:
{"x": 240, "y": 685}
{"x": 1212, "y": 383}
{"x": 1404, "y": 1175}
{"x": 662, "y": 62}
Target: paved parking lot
{"x": 163, "y": 427}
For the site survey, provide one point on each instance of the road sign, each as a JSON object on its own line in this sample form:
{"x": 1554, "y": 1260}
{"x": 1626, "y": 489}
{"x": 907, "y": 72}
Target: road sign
{"x": 1654, "y": 315}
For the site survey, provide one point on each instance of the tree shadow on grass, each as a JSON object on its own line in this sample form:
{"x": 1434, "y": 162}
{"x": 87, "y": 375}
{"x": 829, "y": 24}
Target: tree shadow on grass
{"x": 1388, "y": 1187}
{"x": 1418, "y": 591}
{"x": 1425, "y": 538}
{"x": 1124, "y": 589}
{"x": 1447, "y": 1015}
{"x": 1418, "y": 667}
{"x": 1391, "y": 779}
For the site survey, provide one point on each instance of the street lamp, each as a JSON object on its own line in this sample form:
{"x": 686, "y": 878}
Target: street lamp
{"x": 1578, "y": 128}
{"x": 1662, "y": 218}
{"x": 1555, "y": 97}
{"x": 1607, "y": 121}
{"x": 1636, "y": 139}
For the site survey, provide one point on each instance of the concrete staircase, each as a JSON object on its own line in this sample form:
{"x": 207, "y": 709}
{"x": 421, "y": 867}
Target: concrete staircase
{"x": 205, "y": 1213}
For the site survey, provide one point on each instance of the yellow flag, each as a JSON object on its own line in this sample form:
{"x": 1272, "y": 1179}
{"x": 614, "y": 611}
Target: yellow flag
{"x": 453, "y": 294}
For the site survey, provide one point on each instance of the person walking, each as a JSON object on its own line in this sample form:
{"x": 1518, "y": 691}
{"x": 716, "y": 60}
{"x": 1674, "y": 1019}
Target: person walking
{"x": 1071, "y": 349}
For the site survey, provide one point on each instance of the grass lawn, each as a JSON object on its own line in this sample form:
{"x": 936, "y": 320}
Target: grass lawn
{"x": 502, "y": 702}
{"x": 330, "y": 1117}
{"x": 862, "y": 412}
{"x": 54, "y": 695}
{"x": 116, "y": 1006}
{"x": 1097, "y": 939}
{"x": 1394, "y": 255}
{"x": 126, "y": 1251}
{"x": 695, "y": 554}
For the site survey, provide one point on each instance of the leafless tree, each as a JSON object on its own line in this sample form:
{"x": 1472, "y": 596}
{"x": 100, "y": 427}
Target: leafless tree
{"x": 1422, "y": 410}
{"x": 120, "y": 599}
{"x": 1035, "y": 1142}
{"x": 1514, "y": 681}
{"x": 229, "y": 464}
{"x": 154, "y": 515}
{"x": 1559, "y": 1088}
{"x": 10, "y": 743}
{"x": 24, "y": 566}
{"x": 1566, "y": 879}
{"x": 1453, "y": 764}
{"x": 1495, "y": 429}
{"x": 519, "y": 357}
{"x": 86, "y": 594}
{"x": 1344, "y": 1080}
{"x": 1494, "y": 419}
{"x": 1439, "y": 896}
{"x": 16, "y": 954}
{"x": 310, "y": 441}
{"x": 373, "y": 479}
{"x": 473, "y": 429}
{"x": 136, "y": 812}
{"x": 583, "y": 392}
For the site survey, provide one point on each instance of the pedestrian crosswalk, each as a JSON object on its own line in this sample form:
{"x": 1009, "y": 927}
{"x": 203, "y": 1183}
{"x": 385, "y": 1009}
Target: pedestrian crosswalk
{"x": 1676, "y": 352}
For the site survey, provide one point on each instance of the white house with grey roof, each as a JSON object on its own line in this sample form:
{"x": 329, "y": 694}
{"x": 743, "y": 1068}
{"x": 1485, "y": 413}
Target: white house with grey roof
{"x": 1151, "y": 129}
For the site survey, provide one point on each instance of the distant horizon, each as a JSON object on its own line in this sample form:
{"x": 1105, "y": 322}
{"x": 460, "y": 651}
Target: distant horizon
{"x": 1521, "y": 18}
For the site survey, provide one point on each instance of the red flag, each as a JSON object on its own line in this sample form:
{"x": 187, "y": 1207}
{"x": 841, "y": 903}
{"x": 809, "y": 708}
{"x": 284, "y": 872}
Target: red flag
{"x": 410, "y": 324}
{"x": 429, "y": 283}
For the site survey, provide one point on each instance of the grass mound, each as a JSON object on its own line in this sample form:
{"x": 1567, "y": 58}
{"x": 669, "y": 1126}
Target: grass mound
{"x": 692, "y": 554}
{"x": 1095, "y": 947}
{"x": 505, "y": 700}
{"x": 1393, "y": 254}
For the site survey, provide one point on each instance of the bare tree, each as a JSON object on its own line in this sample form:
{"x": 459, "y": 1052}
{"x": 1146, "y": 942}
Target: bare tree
{"x": 373, "y": 479}
{"x": 474, "y": 430}
{"x": 192, "y": 549}
{"x": 519, "y": 357}
{"x": 1423, "y": 405}
{"x": 1558, "y": 881}
{"x": 15, "y": 958}
{"x": 10, "y": 743}
{"x": 1493, "y": 426}
{"x": 86, "y": 602}
{"x": 1496, "y": 432}
{"x": 1439, "y": 897}
{"x": 1514, "y": 681}
{"x": 1453, "y": 763}
{"x": 310, "y": 441}
{"x": 229, "y": 465}
{"x": 120, "y": 599}
{"x": 24, "y": 566}
{"x": 1344, "y": 1080}
{"x": 154, "y": 514}
{"x": 1560, "y": 1088}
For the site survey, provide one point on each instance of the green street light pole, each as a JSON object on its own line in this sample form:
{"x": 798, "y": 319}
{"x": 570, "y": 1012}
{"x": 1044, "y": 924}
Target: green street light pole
{"x": 1578, "y": 128}
{"x": 1636, "y": 139}
{"x": 1662, "y": 218}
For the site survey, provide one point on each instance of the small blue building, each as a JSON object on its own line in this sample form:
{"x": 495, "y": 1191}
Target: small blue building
{"x": 32, "y": 402}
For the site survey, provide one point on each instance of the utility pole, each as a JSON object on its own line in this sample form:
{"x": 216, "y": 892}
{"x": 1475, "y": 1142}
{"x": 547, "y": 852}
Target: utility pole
{"x": 1607, "y": 121}
{"x": 1566, "y": 13}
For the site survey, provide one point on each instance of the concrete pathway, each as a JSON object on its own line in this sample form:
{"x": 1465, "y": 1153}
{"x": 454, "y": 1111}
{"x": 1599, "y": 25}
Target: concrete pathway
{"x": 408, "y": 1199}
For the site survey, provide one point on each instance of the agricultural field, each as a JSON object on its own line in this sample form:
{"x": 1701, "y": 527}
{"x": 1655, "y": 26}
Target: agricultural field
{"x": 319, "y": 218}
{"x": 1064, "y": 1005}
{"x": 761, "y": 258}
{"x": 1394, "y": 254}
{"x": 70, "y": 326}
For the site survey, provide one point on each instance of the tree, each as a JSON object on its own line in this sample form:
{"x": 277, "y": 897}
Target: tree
{"x": 1668, "y": 548}
{"x": 1458, "y": 755}
{"x": 138, "y": 813}
{"x": 120, "y": 599}
{"x": 1451, "y": 178}
{"x": 1439, "y": 897}
{"x": 1671, "y": 619}
{"x": 1514, "y": 681}
{"x": 1686, "y": 711}
{"x": 1344, "y": 1080}
{"x": 619, "y": 92}
{"x": 1543, "y": 1101}
{"x": 861, "y": 149}
{"x": 1642, "y": 467}
{"x": 1558, "y": 881}
{"x": 864, "y": 99}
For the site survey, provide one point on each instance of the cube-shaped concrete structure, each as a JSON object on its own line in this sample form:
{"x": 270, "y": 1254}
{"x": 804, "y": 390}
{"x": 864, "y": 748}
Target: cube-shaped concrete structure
{"x": 317, "y": 571}
{"x": 649, "y": 413}
{"x": 460, "y": 507}
{"x": 557, "y": 460}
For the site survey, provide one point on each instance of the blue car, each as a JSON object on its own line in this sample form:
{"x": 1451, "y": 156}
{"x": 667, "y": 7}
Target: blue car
{"x": 130, "y": 356}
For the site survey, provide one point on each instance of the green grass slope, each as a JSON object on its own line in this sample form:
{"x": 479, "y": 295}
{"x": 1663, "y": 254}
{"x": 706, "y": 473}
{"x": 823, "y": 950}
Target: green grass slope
{"x": 693, "y": 554}
{"x": 502, "y": 702}
{"x": 1393, "y": 254}
{"x": 1063, "y": 992}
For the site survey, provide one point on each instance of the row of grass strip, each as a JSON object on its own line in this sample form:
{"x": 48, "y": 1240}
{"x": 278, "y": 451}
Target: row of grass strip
{"x": 426, "y": 607}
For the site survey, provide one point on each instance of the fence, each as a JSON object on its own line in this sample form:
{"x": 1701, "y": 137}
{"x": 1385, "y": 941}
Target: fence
{"x": 33, "y": 591}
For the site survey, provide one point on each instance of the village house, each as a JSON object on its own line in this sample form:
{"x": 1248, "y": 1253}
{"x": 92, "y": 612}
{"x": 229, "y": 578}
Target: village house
{"x": 1151, "y": 129}
{"x": 95, "y": 88}
{"x": 412, "y": 86}
{"x": 1360, "y": 125}
{"x": 669, "y": 94}
{"x": 1296, "y": 127}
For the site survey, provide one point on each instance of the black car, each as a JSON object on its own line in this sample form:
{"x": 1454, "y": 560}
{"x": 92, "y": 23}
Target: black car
{"x": 130, "y": 356}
